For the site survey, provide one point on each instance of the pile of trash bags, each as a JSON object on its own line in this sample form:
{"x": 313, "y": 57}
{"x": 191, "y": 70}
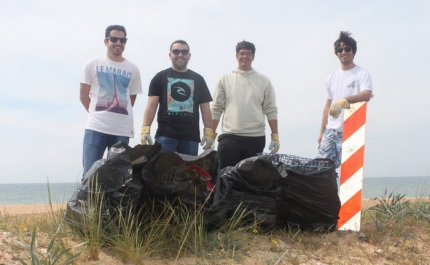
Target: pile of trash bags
{"x": 276, "y": 189}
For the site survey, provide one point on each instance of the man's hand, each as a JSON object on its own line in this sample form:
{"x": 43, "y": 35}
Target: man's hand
{"x": 145, "y": 136}
{"x": 337, "y": 107}
{"x": 274, "y": 144}
{"x": 208, "y": 138}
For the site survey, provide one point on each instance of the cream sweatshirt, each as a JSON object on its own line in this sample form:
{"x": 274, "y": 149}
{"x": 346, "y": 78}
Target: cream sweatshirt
{"x": 244, "y": 98}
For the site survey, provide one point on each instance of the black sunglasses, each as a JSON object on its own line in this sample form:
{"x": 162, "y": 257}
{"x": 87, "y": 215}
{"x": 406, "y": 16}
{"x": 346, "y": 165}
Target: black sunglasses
{"x": 340, "y": 50}
{"x": 115, "y": 39}
{"x": 177, "y": 52}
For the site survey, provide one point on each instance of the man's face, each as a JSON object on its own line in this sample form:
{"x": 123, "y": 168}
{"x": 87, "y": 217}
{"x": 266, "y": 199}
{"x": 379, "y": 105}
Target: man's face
{"x": 115, "y": 48}
{"x": 345, "y": 54}
{"x": 179, "y": 55}
{"x": 245, "y": 58}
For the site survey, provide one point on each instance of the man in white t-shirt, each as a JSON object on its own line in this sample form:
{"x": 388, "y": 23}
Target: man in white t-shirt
{"x": 109, "y": 85}
{"x": 349, "y": 84}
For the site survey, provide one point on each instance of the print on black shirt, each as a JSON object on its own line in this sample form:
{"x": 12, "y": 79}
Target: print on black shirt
{"x": 180, "y": 96}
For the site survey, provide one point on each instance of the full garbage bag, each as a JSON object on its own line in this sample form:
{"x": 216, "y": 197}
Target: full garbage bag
{"x": 280, "y": 190}
{"x": 112, "y": 184}
{"x": 189, "y": 178}
{"x": 274, "y": 189}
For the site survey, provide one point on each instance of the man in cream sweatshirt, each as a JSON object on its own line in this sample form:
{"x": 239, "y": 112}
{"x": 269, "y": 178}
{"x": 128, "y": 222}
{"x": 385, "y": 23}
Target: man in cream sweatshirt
{"x": 243, "y": 98}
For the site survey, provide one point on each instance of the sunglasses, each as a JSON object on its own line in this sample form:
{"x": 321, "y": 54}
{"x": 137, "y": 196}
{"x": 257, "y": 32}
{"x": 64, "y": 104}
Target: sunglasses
{"x": 177, "y": 52}
{"x": 115, "y": 39}
{"x": 341, "y": 49}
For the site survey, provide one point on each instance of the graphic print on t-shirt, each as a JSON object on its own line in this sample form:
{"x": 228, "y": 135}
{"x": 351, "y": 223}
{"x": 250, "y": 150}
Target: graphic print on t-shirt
{"x": 112, "y": 94}
{"x": 352, "y": 85}
{"x": 180, "y": 95}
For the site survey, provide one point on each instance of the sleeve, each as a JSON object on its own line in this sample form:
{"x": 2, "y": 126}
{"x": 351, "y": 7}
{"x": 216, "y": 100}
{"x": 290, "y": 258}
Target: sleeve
{"x": 86, "y": 74}
{"x": 155, "y": 85}
{"x": 218, "y": 103}
{"x": 269, "y": 105}
{"x": 328, "y": 87}
{"x": 366, "y": 83}
{"x": 136, "y": 82}
{"x": 205, "y": 93}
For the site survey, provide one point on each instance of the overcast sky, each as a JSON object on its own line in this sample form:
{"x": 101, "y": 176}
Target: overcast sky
{"x": 46, "y": 43}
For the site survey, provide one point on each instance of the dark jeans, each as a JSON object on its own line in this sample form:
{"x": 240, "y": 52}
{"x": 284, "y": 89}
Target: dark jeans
{"x": 232, "y": 148}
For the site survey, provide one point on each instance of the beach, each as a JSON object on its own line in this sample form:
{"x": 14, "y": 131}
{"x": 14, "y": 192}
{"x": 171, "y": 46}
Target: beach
{"x": 339, "y": 247}
{"x": 29, "y": 209}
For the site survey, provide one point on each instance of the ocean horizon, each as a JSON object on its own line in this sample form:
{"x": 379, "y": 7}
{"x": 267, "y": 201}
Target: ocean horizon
{"x": 373, "y": 187}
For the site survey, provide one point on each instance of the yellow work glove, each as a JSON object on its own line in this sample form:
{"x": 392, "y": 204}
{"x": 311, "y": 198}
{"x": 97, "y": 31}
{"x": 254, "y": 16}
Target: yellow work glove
{"x": 274, "y": 144}
{"x": 337, "y": 107}
{"x": 208, "y": 138}
{"x": 145, "y": 136}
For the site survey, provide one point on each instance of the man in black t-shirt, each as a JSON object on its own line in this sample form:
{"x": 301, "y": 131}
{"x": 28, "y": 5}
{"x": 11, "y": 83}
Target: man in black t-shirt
{"x": 179, "y": 93}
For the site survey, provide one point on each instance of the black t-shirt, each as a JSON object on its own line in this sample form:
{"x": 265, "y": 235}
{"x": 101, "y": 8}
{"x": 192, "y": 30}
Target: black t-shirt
{"x": 180, "y": 97}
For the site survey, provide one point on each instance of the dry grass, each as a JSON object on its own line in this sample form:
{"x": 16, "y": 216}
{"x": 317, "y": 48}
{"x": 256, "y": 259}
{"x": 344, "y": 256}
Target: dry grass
{"x": 394, "y": 230}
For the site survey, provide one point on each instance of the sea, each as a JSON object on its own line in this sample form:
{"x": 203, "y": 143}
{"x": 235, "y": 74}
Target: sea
{"x": 373, "y": 187}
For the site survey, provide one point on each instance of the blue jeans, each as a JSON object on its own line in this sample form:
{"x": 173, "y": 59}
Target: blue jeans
{"x": 181, "y": 146}
{"x": 95, "y": 144}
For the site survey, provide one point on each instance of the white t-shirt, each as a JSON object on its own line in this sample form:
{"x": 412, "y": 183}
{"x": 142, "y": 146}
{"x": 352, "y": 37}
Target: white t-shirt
{"x": 342, "y": 84}
{"x": 112, "y": 83}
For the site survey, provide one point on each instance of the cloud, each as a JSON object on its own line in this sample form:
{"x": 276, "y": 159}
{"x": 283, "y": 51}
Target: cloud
{"x": 48, "y": 43}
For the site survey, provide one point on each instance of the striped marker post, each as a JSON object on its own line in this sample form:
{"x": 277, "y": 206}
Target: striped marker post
{"x": 351, "y": 170}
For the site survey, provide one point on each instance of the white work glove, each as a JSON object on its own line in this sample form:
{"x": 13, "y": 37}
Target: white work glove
{"x": 208, "y": 138}
{"x": 145, "y": 136}
{"x": 274, "y": 144}
{"x": 337, "y": 107}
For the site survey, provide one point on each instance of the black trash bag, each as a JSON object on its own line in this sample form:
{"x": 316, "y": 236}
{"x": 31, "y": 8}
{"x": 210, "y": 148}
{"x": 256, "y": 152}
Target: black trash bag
{"x": 310, "y": 197}
{"x": 190, "y": 178}
{"x": 283, "y": 189}
{"x": 113, "y": 183}
{"x": 251, "y": 186}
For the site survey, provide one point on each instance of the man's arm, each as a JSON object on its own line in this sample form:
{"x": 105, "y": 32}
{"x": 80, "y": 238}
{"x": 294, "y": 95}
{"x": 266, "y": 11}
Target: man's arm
{"x": 84, "y": 95}
{"x": 215, "y": 124}
{"x": 273, "y": 126}
{"x": 132, "y": 99}
{"x": 364, "y": 95}
{"x": 206, "y": 114}
{"x": 324, "y": 119}
{"x": 218, "y": 104}
{"x": 151, "y": 109}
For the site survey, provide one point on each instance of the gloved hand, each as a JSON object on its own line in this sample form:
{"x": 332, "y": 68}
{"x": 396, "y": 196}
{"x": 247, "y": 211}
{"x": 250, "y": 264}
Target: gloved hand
{"x": 145, "y": 136}
{"x": 208, "y": 138}
{"x": 337, "y": 107}
{"x": 274, "y": 144}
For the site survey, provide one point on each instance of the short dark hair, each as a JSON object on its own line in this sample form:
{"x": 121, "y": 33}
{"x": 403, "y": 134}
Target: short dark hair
{"x": 245, "y": 45}
{"x": 181, "y": 42}
{"x": 115, "y": 27}
{"x": 344, "y": 37}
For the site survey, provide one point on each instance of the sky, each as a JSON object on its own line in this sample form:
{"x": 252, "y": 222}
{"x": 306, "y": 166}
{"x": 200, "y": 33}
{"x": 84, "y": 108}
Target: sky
{"x": 47, "y": 43}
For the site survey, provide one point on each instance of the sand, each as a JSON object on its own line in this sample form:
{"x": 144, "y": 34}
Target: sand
{"x": 331, "y": 251}
{"x": 25, "y": 209}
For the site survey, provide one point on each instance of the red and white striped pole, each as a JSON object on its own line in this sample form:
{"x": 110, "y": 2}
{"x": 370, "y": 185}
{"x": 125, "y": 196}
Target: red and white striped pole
{"x": 351, "y": 170}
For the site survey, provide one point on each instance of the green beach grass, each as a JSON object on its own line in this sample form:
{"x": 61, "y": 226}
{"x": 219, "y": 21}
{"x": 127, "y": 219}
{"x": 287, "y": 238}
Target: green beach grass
{"x": 395, "y": 230}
